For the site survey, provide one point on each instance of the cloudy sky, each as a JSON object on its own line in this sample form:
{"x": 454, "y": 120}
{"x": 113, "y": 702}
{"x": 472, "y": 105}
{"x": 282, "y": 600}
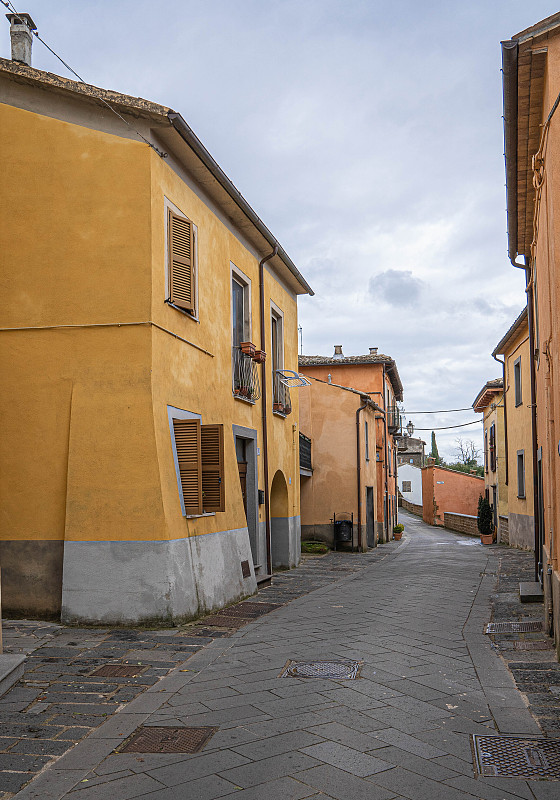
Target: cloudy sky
{"x": 367, "y": 134}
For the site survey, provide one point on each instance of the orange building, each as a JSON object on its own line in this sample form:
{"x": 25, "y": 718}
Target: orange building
{"x": 375, "y": 377}
{"x": 445, "y": 490}
{"x": 531, "y": 75}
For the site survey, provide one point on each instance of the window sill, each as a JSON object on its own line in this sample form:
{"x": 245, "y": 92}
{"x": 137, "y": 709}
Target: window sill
{"x": 243, "y": 399}
{"x": 199, "y": 516}
{"x": 183, "y": 311}
{"x": 279, "y": 414}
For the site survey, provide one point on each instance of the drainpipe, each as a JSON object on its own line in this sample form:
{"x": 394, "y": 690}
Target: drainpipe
{"x": 386, "y": 459}
{"x": 359, "y": 473}
{"x": 531, "y": 323}
{"x": 264, "y": 415}
{"x": 503, "y": 363}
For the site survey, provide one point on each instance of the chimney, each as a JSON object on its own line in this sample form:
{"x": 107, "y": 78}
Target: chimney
{"x": 373, "y": 351}
{"x": 21, "y": 26}
{"x": 338, "y": 351}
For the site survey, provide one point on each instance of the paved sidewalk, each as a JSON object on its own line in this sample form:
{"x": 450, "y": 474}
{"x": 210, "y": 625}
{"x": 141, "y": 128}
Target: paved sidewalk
{"x": 430, "y": 677}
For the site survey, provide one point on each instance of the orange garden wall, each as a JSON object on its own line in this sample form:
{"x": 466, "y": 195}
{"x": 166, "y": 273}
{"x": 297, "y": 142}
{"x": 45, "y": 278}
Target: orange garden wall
{"x": 446, "y": 490}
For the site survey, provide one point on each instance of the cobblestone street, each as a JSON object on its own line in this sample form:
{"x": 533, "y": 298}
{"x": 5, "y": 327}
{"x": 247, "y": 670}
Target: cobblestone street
{"x": 411, "y": 613}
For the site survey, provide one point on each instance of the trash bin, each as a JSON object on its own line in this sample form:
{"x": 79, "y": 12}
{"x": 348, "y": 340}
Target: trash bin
{"x": 343, "y": 529}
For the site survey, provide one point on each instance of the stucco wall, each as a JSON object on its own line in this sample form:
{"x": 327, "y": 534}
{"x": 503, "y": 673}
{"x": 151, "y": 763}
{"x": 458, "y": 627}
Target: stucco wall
{"x": 445, "y": 490}
{"x": 408, "y": 472}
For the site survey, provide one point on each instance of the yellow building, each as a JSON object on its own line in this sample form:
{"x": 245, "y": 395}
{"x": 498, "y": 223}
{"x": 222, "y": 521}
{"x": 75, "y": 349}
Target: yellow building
{"x": 514, "y": 347}
{"x": 148, "y": 465}
{"x": 490, "y": 403}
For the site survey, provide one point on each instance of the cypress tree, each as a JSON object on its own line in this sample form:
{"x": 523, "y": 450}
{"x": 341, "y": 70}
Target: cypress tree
{"x": 434, "y": 453}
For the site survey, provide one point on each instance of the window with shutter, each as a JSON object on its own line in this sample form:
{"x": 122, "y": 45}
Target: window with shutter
{"x": 181, "y": 255}
{"x": 212, "y": 457}
{"x": 187, "y": 434}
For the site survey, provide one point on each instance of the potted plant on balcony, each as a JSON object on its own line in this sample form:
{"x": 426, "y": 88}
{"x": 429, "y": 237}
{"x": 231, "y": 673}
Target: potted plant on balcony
{"x": 398, "y": 531}
{"x": 259, "y": 357}
{"x": 248, "y": 348}
{"x": 484, "y": 521}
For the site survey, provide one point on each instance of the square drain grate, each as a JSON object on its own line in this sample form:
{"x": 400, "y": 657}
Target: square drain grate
{"x": 334, "y": 670}
{"x": 167, "y": 740}
{"x": 118, "y": 671}
{"x": 516, "y": 757}
{"x": 513, "y": 627}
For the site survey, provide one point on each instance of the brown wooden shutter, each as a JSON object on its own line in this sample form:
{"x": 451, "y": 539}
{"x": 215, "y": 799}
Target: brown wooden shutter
{"x": 181, "y": 254}
{"x": 213, "y": 486}
{"x": 187, "y": 442}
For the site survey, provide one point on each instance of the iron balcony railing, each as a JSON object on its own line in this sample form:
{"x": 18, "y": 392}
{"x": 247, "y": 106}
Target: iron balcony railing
{"x": 393, "y": 419}
{"x": 305, "y": 452}
{"x": 282, "y": 403}
{"x": 246, "y": 384}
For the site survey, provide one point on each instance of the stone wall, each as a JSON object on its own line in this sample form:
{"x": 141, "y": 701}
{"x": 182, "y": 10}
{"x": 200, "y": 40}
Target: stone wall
{"x": 503, "y": 528}
{"x": 412, "y": 507}
{"x": 463, "y": 523}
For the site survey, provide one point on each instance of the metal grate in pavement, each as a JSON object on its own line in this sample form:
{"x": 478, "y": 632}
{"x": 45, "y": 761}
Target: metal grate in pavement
{"x": 516, "y": 757}
{"x": 118, "y": 671}
{"x": 335, "y": 670}
{"x": 153, "y": 739}
{"x": 529, "y": 645}
{"x": 513, "y": 627}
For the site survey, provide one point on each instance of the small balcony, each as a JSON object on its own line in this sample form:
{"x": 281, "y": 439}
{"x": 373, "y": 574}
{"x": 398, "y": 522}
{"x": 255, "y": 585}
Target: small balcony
{"x": 393, "y": 419}
{"x": 282, "y": 403}
{"x": 246, "y": 384}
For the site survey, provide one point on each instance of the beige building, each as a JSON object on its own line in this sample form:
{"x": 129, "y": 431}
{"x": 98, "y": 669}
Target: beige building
{"x": 515, "y": 350}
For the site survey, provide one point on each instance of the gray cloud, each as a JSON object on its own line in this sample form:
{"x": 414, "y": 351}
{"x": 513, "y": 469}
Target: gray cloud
{"x": 397, "y": 287}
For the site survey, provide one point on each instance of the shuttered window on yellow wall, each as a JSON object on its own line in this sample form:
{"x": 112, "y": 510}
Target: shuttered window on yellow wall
{"x": 181, "y": 255}
{"x": 187, "y": 442}
{"x": 212, "y": 450}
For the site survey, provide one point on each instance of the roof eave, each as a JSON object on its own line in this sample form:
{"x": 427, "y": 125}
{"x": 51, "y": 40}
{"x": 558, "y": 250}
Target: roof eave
{"x": 509, "y": 71}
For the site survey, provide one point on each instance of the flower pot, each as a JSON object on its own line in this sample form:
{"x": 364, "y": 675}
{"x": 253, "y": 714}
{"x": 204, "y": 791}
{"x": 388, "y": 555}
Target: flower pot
{"x": 259, "y": 357}
{"x": 248, "y": 348}
{"x": 278, "y": 407}
{"x": 397, "y": 536}
{"x": 486, "y": 538}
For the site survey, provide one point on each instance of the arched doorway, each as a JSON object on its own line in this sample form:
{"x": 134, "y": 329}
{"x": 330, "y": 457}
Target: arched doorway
{"x": 279, "y": 522}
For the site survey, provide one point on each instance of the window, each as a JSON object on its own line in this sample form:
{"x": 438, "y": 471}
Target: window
{"x": 367, "y": 441}
{"x": 521, "y": 473}
{"x": 517, "y": 381}
{"x": 181, "y": 251}
{"x": 412, "y": 461}
{"x": 282, "y": 403}
{"x": 407, "y": 486}
{"x": 199, "y": 452}
{"x": 486, "y": 451}
{"x": 389, "y": 458}
{"x": 493, "y": 447}
{"x": 240, "y": 308}
{"x": 245, "y": 377}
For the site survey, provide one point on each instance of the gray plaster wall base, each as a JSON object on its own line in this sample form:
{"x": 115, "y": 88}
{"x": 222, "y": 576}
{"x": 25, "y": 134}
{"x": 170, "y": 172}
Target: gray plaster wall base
{"x": 11, "y": 670}
{"x": 521, "y": 531}
{"x": 131, "y": 582}
{"x": 285, "y": 541}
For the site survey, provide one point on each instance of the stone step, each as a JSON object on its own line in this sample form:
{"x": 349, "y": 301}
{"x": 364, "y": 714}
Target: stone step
{"x": 11, "y": 670}
{"x": 530, "y": 592}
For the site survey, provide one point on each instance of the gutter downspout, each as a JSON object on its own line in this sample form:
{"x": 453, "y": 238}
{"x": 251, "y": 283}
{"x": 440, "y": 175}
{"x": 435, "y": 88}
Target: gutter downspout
{"x": 359, "y": 473}
{"x": 386, "y": 458}
{"x": 268, "y": 534}
{"x": 503, "y": 363}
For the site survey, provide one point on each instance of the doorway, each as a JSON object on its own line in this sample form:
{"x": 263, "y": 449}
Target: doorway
{"x": 279, "y": 522}
{"x": 370, "y": 519}
{"x": 245, "y": 440}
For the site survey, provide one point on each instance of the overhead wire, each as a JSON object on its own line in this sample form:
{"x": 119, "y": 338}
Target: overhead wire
{"x": 444, "y": 411}
{"x": 449, "y": 427}
{"x": 160, "y": 153}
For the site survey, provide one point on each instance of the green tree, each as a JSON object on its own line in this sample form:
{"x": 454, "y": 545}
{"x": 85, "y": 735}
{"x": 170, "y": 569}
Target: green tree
{"x": 434, "y": 452}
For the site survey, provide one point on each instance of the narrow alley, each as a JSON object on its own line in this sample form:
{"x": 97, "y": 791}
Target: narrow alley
{"x": 428, "y": 678}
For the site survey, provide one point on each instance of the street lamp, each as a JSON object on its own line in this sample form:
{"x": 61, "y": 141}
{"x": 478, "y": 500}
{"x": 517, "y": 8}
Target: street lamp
{"x": 410, "y": 428}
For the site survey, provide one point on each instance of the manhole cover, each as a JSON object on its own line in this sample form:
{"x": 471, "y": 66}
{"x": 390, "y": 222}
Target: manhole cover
{"x": 167, "y": 740}
{"x": 337, "y": 670}
{"x": 249, "y": 610}
{"x": 513, "y": 627}
{"x": 516, "y": 757}
{"x": 118, "y": 671}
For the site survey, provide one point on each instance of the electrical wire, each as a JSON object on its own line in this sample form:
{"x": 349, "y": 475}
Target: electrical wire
{"x": 445, "y": 411}
{"x": 160, "y": 153}
{"x": 449, "y": 427}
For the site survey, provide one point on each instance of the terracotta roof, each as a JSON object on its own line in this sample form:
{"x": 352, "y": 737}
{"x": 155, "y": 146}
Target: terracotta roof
{"x": 378, "y": 358}
{"x": 487, "y": 393}
{"x": 519, "y": 323}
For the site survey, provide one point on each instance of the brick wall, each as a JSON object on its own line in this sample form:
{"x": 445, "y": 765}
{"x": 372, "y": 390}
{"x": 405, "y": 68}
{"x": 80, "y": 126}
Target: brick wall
{"x": 463, "y": 523}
